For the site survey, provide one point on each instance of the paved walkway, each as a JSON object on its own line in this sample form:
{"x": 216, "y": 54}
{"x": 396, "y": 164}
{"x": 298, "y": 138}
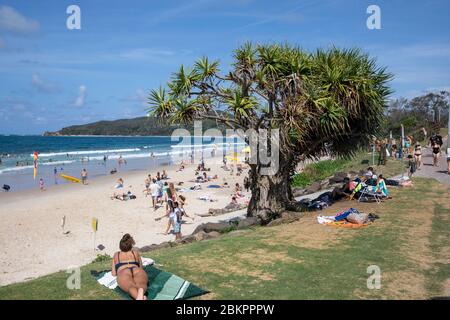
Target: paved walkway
{"x": 429, "y": 171}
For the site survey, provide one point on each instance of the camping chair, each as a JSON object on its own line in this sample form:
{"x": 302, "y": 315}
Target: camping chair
{"x": 367, "y": 192}
{"x": 356, "y": 190}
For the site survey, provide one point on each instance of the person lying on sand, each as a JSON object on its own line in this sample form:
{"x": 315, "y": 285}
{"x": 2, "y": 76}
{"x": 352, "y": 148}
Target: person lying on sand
{"x": 120, "y": 196}
{"x": 127, "y": 266}
{"x": 232, "y": 206}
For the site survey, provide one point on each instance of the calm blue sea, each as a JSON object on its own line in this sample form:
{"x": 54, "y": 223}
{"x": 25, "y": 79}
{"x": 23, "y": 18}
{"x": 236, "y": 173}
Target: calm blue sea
{"x": 70, "y": 155}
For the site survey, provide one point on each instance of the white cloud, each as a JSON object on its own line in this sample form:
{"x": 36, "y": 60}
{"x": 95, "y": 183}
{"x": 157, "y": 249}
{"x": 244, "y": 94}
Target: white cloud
{"x": 80, "y": 100}
{"x": 13, "y": 21}
{"x": 42, "y": 85}
{"x": 146, "y": 53}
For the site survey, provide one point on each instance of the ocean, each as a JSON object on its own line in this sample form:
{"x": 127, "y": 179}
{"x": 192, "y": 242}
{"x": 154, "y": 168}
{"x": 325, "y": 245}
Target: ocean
{"x": 71, "y": 154}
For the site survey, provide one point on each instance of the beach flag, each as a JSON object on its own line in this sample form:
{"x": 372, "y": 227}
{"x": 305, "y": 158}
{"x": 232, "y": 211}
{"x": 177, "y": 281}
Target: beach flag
{"x": 94, "y": 225}
{"x": 35, "y": 156}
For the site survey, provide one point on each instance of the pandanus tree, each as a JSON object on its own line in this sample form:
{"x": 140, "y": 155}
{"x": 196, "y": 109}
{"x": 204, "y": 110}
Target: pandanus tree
{"x": 326, "y": 102}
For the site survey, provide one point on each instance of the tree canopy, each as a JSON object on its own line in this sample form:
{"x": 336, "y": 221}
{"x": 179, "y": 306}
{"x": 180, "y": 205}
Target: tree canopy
{"x": 328, "y": 101}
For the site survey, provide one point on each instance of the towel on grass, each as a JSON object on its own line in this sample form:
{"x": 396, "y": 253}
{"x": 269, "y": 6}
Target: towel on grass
{"x": 162, "y": 285}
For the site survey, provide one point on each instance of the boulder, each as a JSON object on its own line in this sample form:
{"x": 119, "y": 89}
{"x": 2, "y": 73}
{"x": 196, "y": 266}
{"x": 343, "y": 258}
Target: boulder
{"x": 187, "y": 239}
{"x": 338, "y": 177}
{"x": 208, "y": 227}
{"x": 247, "y": 222}
{"x": 155, "y": 247}
{"x": 201, "y": 235}
{"x": 297, "y": 192}
{"x": 316, "y": 186}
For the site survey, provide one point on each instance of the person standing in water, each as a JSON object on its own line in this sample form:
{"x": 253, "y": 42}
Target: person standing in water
{"x": 84, "y": 175}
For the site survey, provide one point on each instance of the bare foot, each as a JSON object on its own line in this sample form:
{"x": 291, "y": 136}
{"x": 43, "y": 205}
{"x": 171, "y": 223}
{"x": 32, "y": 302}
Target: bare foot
{"x": 140, "y": 295}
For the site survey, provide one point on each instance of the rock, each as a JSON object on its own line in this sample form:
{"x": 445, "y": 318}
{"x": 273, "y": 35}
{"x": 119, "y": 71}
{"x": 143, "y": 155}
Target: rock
{"x": 324, "y": 184}
{"x": 208, "y": 227}
{"x": 155, "y": 247}
{"x": 314, "y": 187}
{"x": 201, "y": 235}
{"x": 245, "y": 223}
{"x": 338, "y": 177}
{"x": 297, "y": 192}
{"x": 212, "y": 235}
{"x": 187, "y": 239}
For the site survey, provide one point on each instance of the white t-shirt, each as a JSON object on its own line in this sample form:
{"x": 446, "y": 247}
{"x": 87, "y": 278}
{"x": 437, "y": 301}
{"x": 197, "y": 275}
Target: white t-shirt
{"x": 174, "y": 215}
{"x": 154, "y": 188}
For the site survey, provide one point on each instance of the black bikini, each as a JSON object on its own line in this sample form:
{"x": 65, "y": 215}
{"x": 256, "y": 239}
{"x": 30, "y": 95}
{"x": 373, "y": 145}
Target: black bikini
{"x": 120, "y": 264}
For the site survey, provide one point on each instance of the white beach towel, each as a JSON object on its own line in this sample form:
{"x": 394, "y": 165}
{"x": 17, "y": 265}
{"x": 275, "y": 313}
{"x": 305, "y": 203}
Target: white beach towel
{"x": 325, "y": 219}
{"x": 109, "y": 281}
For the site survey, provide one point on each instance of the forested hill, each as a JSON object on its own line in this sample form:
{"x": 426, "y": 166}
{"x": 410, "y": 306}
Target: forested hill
{"x": 142, "y": 126}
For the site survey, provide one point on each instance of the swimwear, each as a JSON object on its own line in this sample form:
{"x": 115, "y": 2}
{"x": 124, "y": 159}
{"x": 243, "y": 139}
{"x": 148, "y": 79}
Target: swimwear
{"x": 120, "y": 264}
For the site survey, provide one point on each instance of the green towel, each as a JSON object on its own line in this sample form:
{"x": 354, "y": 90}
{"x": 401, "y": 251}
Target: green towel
{"x": 162, "y": 286}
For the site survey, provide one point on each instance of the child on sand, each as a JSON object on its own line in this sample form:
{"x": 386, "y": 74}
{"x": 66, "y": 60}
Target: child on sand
{"x": 41, "y": 184}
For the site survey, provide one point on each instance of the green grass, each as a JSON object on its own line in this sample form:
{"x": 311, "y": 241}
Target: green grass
{"x": 326, "y": 168}
{"x": 303, "y": 260}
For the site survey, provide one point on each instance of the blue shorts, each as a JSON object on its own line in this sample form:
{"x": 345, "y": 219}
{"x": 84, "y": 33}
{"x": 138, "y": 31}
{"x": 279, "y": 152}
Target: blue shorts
{"x": 177, "y": 227}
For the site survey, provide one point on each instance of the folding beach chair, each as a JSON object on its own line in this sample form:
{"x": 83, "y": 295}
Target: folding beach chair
{"x": 367, "y": 193}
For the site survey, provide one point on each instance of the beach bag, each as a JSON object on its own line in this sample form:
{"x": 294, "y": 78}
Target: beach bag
{"x": 358, "y": 218}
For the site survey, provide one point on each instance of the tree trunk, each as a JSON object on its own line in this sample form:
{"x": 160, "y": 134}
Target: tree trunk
{"x": 271, "y": 195}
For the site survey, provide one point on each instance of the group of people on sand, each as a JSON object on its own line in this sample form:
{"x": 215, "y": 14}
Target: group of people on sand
{"x": 155, "y": 187}
{"x": 175, "y": 210}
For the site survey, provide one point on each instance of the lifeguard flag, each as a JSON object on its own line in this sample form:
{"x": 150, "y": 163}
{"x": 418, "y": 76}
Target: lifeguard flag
{"x": 94, "y": 224}
{"x": 35, "y": 156}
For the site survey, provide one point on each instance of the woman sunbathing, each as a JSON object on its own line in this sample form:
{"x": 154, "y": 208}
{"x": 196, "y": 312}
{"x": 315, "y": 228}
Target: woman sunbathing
{"x": 127, "y": 266}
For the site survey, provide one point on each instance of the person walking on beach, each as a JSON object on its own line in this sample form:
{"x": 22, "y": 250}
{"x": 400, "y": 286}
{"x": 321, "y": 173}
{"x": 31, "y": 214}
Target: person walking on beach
{"x": 154, "y": 190}
{"x": 41, "y": 184}
{"x": 84, "y": 175}
{"x": 160, "y": 184}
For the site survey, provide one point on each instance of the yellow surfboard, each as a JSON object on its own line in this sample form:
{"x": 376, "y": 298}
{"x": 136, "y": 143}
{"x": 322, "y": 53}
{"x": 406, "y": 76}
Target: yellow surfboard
{"x": 70, "y": 178}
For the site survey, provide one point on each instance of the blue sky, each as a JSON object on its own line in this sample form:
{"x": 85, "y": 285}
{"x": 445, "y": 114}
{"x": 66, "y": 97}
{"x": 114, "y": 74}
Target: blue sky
{"x": 52, "y": 77}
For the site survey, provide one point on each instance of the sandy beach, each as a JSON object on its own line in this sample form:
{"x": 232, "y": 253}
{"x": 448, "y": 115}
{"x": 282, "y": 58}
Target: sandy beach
{"x": 32, "y": 240}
